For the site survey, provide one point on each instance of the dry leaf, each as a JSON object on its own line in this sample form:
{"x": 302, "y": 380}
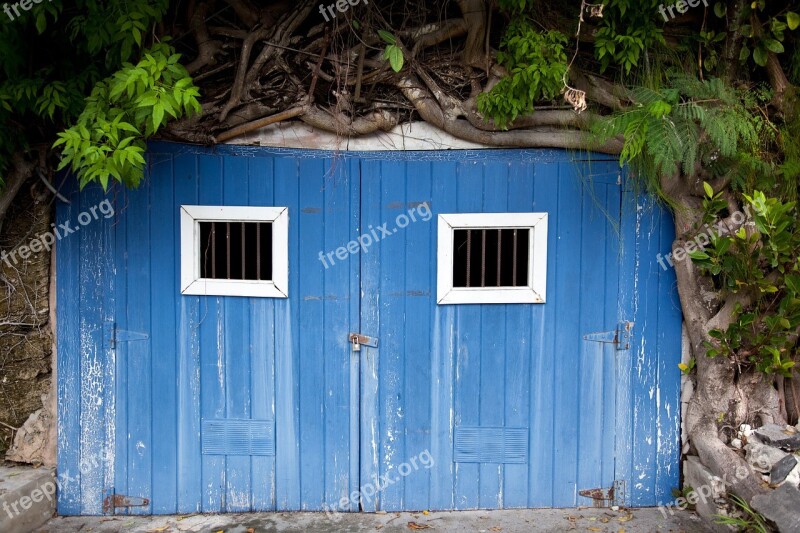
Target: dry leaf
{"x": 158, "y": 529}
{"x": 426, "y": 513}
{"x": 625, "y": 518}
{"x": 250, "y": 530}
{"x": 604, "y": 520}
{"x": 414, "y": 525}
{"x": 495, "y": 528}
{"x": 621, "y": 530}
{"x": 594, "y": 529}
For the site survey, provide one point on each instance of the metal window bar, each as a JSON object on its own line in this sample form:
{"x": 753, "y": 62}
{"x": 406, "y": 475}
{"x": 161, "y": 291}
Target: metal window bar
{"x": 483, "y": 258}
{"x": 514, "y": 265}
{"x": 499, "y": 254}
{"x": 469, "y": 257}
{"x": 228, "y": 249}
{"x": 214, "y": 250}
{"x": 243, "y": 249}
{"x": 258, "y": 250}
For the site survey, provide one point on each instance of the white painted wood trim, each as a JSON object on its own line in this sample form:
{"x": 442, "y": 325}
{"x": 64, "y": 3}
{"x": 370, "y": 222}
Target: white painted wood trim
{"x": 536, "y": 290}
{"x": 193, "y": 284}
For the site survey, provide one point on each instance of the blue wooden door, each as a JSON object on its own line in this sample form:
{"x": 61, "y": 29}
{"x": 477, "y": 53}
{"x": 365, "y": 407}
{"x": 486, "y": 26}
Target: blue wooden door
{"x": 231, "y": 404}
{"x": 210, "y": 403}
{"x": 508, "y": 402}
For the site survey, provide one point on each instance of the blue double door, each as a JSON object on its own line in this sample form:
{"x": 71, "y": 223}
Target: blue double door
{"x": 235, "y": 404}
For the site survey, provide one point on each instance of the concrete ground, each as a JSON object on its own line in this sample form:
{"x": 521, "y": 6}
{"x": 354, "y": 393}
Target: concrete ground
{"x": 27, "y": 498}
{"x": 583, "y": 520}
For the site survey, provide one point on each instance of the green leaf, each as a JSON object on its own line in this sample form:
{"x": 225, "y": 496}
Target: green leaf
{"x": 709, "y": 190}
{"x": 697, "y": 255}
{"x": 773, "y": 46}
{"x": 387, "y": 37}
{"x": 395, "y": 57}
{"x": 792, "y": 20}
{"x": 760, "y": 56}
{"x": 720, "y": 8}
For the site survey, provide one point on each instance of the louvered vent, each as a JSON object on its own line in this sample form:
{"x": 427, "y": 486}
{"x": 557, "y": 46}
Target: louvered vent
{"x": 238, "y": 437}
{"x": 491, "y": 445}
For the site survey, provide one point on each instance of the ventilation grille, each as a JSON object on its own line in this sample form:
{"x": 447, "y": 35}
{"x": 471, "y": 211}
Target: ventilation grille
{"x": 491, "y": 445}
{"x": 238, "y": 437}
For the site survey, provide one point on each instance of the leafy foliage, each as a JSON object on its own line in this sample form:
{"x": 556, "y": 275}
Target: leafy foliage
{"x": 764, "y": 260}
{"x": 629, "y": 29}
{"x": 536, "y": 62}
{"x": 79, "y": 46}
{"x": 693, "y": 121}
{"x": 123, "y": 110}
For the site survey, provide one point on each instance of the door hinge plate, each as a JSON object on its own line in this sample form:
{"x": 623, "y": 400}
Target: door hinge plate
{"x": 112, "y": 501}
{"x": 620, "y": 337}
{"x": 115, "y": 335}
{"x": 615, "y": 495}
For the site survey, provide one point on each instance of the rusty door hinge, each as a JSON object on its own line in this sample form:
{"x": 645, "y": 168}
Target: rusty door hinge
{"x": 620, "y": 337}
{"x": 615, "y": 495}
{"x": 112, "y": 501}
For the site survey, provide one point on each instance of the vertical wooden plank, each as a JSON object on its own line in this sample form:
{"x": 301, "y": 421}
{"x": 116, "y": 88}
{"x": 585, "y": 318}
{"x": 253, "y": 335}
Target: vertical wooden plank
{"x": 68, "y": 318}
{"x": 612, "y": 258}
{"x": 139, "y": 391}
{"x": 418, "y": 293}
{"x": 120, "y": 484}
{"x": 287, "y": 360}
{"x": 518, "y": 348}
{"x": 645, "y": 353}
{"x": 544, "y": 320}
{"x": 189, "y": 462}
{"x": 212, "y": 347}
{"x": 468, "y": 355}
{"x": 237, "y": 347}
{"x": 668, "y": 391}
{"x": 443, "y": 350}
{"x": 625, "y": 369}
{"x": 312, "y": 353}
{"x": 391, "y": 376}
{"x": 371, "y": 363}
{"x": 589, "y": 372}
{"x": 262, "y": 348}
{"x": 330, "y": 218}
{"x": 567, "y": 337}
{"x": 493, "y": 347}
{"x": 164, "y": 239}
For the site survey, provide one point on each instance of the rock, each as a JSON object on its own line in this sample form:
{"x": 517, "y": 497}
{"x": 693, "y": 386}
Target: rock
{"x": 778, "y": 436}
{"x": 762, "y": 457}
{"x": 781, "y": 505}
{"x": 782, "y": 469}
{"x": 712, "y": 502}
{"x": 745, "y": 430}
{"x": 736, "y": 443}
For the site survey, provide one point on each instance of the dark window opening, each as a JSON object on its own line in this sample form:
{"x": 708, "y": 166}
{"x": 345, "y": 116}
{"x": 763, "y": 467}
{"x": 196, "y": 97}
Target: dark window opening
{"x": 490, "y": 257}
{"x": 236, "y": 250}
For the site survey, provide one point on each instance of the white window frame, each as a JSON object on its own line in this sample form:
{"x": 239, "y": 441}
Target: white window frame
{"x": 535, "y": 292}
{"x": 193, "y": 284}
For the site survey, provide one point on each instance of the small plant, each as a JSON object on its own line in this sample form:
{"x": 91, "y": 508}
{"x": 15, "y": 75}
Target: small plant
{"x": 749, "y": 521}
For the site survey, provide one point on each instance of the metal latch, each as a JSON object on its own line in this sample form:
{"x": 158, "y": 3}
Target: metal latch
{"x": 356, "y": 340}
{"x": 620, "y": 337}
{"x": 112, "y": 501}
